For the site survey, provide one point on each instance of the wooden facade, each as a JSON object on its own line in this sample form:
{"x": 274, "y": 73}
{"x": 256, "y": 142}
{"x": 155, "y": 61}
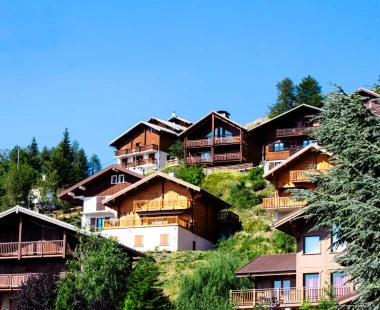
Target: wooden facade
{"x": 215, "y": 140}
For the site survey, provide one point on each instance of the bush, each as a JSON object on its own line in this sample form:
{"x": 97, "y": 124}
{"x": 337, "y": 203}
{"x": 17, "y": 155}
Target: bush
{"x": 177, "y": 149}
{"x": 191, "y": 174}
{"x": 242, "y": 197}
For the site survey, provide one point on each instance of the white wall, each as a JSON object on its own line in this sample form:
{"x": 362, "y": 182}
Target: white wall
{"x": 89, "y": 210}
{"x": 179, "y": 238}
{"x": 266, "y": 164}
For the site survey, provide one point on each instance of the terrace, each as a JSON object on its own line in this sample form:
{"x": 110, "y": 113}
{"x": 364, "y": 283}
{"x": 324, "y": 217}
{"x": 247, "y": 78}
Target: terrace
{"x": 51, "y": 248}
{"x": 150, "y": 148}
{"x": 145, "y": 221}
{"x": 282, "y": 202}
{"x": 292, "y": 132}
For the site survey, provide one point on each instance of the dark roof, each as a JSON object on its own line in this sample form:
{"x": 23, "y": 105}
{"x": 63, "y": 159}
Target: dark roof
{"x": 98, "y": 174}
{"x": 285, "y": 224}
{"x": 269, "y": 264}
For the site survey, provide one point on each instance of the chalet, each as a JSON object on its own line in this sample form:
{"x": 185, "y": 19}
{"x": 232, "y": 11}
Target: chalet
{"x": 284, "y": 135}
{"x": 29, "y": 241}
{"x": 372, "y": 100}
{"x": 90, "y": 192}
{"x": 215, "y": 140}
{"x": 290, "y": 174}
{"x": 166, "y": 213}
{"x": 144, "y": 148}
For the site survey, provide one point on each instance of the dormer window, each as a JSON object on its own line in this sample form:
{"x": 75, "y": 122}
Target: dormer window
{"x": 121, "y": 178}
{"x": 113, "y": 179}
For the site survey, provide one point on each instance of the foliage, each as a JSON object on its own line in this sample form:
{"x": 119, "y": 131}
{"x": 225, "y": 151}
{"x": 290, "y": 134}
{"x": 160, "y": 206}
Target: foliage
{"x": 220, "y": 183}
{"x": 38, "y": 292}
{"x": 34, "y": 159}
{"x": 306, "y": 305}
{"x": 208, "y": 287}
{"x": 255, "y": 177}
{"x": 286, "y": 98}
{"x": 81, "y": 166}
{"x": 283, "y": 243}
{"x": 99, "y": 271}
{"x": 94, "y": 164}
{"x": 346, "y": 199}
{"x": 309, "y": 92}
{"x": 143, "y": 292}
{"x": 376, "y": 88}
{"x": 191, "y": 174}
{"x": 243, "y": 197}
{"x": 177, "y": 149}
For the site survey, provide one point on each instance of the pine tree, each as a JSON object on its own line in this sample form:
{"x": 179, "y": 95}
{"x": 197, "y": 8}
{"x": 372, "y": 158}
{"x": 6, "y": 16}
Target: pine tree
{"x": 376, "y": 88}
{"x": 34, "y": 159}
{"x": 347, "y": 198}
{"x": 286, "y": 98}
{"x": 19, "y": 155}
{"x": 94, "y": 164}
{"x": 309, "y": 92}
{"x": 143, "y": 292}
{"x": 81, "y": 166}
{"x": 45, "y": 156}
{"x": 62, "y": 160}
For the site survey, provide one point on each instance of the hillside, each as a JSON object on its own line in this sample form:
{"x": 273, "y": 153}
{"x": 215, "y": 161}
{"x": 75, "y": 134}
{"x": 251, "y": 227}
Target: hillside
{"x": 255, "y": 238}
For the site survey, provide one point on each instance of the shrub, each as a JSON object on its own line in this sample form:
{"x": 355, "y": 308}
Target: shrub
{"x": 191, "y": 174}
{"x": 177, "y": 149}
{"x": 242, "y": 197}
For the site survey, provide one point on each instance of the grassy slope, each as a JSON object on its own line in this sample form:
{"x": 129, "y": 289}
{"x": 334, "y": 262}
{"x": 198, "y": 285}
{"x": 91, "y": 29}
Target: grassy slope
{"x": 255, "y": 237}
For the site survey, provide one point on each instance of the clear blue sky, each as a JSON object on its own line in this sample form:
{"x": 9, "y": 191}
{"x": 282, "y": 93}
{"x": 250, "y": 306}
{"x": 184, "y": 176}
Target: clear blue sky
{"x": 98, "y": 67}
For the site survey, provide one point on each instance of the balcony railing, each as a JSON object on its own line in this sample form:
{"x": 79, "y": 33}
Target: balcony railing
{"x": 198, "y": 160}
{"x": 282, "y": 202}
{"x": 227, "y": 139}
{"x": 226, "y": 157}
{"x": 137, "y": 149}
{"x": 228, "y": 216}
{"x": 285, "y": 296}
{"x": 159, "y": 204}
{"x": 32, "y": 248}
{"x": 291, "y": 132}
{"x": 145, "y": 221}
{"x": 141, "y": 162}
{"x": 199, "y": 142}
{"x": 299, "y": 175}
{"x": 173, "y": 162}
{"x": 9, "y": 282}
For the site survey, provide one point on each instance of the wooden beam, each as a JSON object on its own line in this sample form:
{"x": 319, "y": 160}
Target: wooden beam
{"x": 64, "y": 244}
{"x": 241, "y": 145}
{"x": 19, "y": 236}
{"x": 212, "y": 137}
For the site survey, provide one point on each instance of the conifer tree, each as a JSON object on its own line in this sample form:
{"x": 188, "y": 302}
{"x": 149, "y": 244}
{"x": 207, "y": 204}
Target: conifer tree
{"x": 286, "y": 98}
{"x": 309, "y": 92}
{"x": 94, "y": 164}
{"x": 346, "y": 199}
{"x": 377, "y": 86}
{"x": 81, "y": 166}
{"x": 143, "y": 292}
{"x": 34, "y": 159}
{"x": 45, "y": 156}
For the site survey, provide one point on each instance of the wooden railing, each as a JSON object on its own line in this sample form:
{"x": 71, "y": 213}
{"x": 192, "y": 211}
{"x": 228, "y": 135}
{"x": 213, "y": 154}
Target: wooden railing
{"x": 173, "y": 162}
{"x": 32, "y": 248}
{"x": 228, "y": 216}
{"x": 299, "y": 175}
{"x": 141, "y": 162}
{"x": 227, "y": 139}
{"x": 198, "y": 160}
{"x": 137, "y": 149}
{"x": 199, "y": 142}
{"x": 159, "y": 204}
{"x": 226, "y": 157}
{"x": 10, "y": 282}
{"x": 281, "y": 202}
{"x": 145, "y": 221}
{"x": 238, "y": 167}
{"x": 298, "y": 131}
{"x": 284, "y": 296}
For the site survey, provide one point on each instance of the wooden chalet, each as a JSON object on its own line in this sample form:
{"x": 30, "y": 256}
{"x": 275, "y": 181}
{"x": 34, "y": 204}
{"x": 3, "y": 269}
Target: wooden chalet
{"x": 371, "y": 101}
{"x": 215, "y": 140}
{"x": 282, "y": 136}
{"x": 180, "y": 121}
{"x": 292, "y": 173}
{"x": 163, "y": 212}
{"x": 30, "y": 241}
{"x": 284, "y": 281}
{"x": 90, "y": 192}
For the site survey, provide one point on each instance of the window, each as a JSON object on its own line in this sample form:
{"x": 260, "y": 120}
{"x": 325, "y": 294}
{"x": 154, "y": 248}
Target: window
{"x": 138, "y": 144}
{"x": 113, "y": 179}
{"x": 307, "y": 142}
{"x": 276, "y": 163}
{"x": 208, "y": 154}
{"x": 99, "y": 223}
{"x": 121, "y": 178}
{"x": 311, "y": 245}
{"x": 139, "y": 241}
{"x": 311, "y": 284}
{"x": 338, "y": 279}
{"x": 164, "y": 239}
{"x": 334, "y": 239}
{"x": 278, "y": 147}
{"x": 281, "y": 289}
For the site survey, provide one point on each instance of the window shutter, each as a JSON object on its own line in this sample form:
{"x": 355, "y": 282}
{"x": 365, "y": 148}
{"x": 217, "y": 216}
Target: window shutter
{"x": 164, "y": 239}
{"x": 99, "y": 205}
{"x": 92, "y": 222}
{"x": 139, "y": 241}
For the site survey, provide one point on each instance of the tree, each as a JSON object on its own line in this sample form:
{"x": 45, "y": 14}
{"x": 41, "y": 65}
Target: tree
{"x": 38, "y": 292}
{"x": 19, "y": 155}
{"x": 376, "y": 88}
{"x": 143, "y": 291}
{"x": 191, "y": 174}
{"x": 286, "y": 98}
{"x": 177, "y": 149}
{"x": 62, "y": 160}
{"x": 98, "y": 272}
{"x": 34, "y": 159}
{"x": 309, "y": 92}
{"x": 81, "y": 166}
{"x": 94, "y": 164}
{"x": 45, "y": 156}
{"x": 346, "y": 200}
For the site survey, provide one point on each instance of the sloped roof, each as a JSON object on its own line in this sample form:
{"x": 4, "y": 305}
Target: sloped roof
{"x": 19, "y": 209}
{"x": 263, "y": 265}
{"x": 168, "y": 177}
{"x": 285, "y": 223}
{"x": 181, "y": 119}
{"x": 98, "y": 174}
{"x": 155, "y": 127}
{"x": 368, "y": 92}
{"x": 285, "y": 113}
{"x": 167, "y": 123}
{"x": 207, "y": 115}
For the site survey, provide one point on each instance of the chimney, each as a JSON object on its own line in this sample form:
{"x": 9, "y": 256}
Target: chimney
{"x": 224, "y": 113}
{"x": 173, "y": 114}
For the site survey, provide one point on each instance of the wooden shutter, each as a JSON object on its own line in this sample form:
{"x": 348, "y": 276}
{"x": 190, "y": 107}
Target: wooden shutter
{"x": 139, "y": 241}
{"x": 164, "y": 239}
{"x": 92, "y": 222}
{"x": 271, "y": 147}
{"x": 99, "y": 205}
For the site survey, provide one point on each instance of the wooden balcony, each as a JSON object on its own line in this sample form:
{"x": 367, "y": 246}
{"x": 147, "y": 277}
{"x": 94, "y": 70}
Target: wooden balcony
{"x": 227, "y": 140}
{"x": 173, "y": 162}
{"x": 145, "y": 221}
{"x": 51, "y": 248}
{"x": 141, "y": 162}
{"x": 198, "y": 160}
{"x": 137, "y": 149}
{"x": 226, "y": 157}
{"x": 285, "y": 153}
{"x": 160, "y": 205}
{"x": 285, "y": 297}
{"x": 282, "y": 202}
{"x": 292, "y": 132}
{"x": 299, "y": 175}
{"x": 199, "y": 143}
{"x": 228, "y": 216}
{"x": 10, "y": 282}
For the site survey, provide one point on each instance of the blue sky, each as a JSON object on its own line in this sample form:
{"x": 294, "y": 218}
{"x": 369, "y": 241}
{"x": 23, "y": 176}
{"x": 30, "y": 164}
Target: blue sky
{"x": 98, "y": 67}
